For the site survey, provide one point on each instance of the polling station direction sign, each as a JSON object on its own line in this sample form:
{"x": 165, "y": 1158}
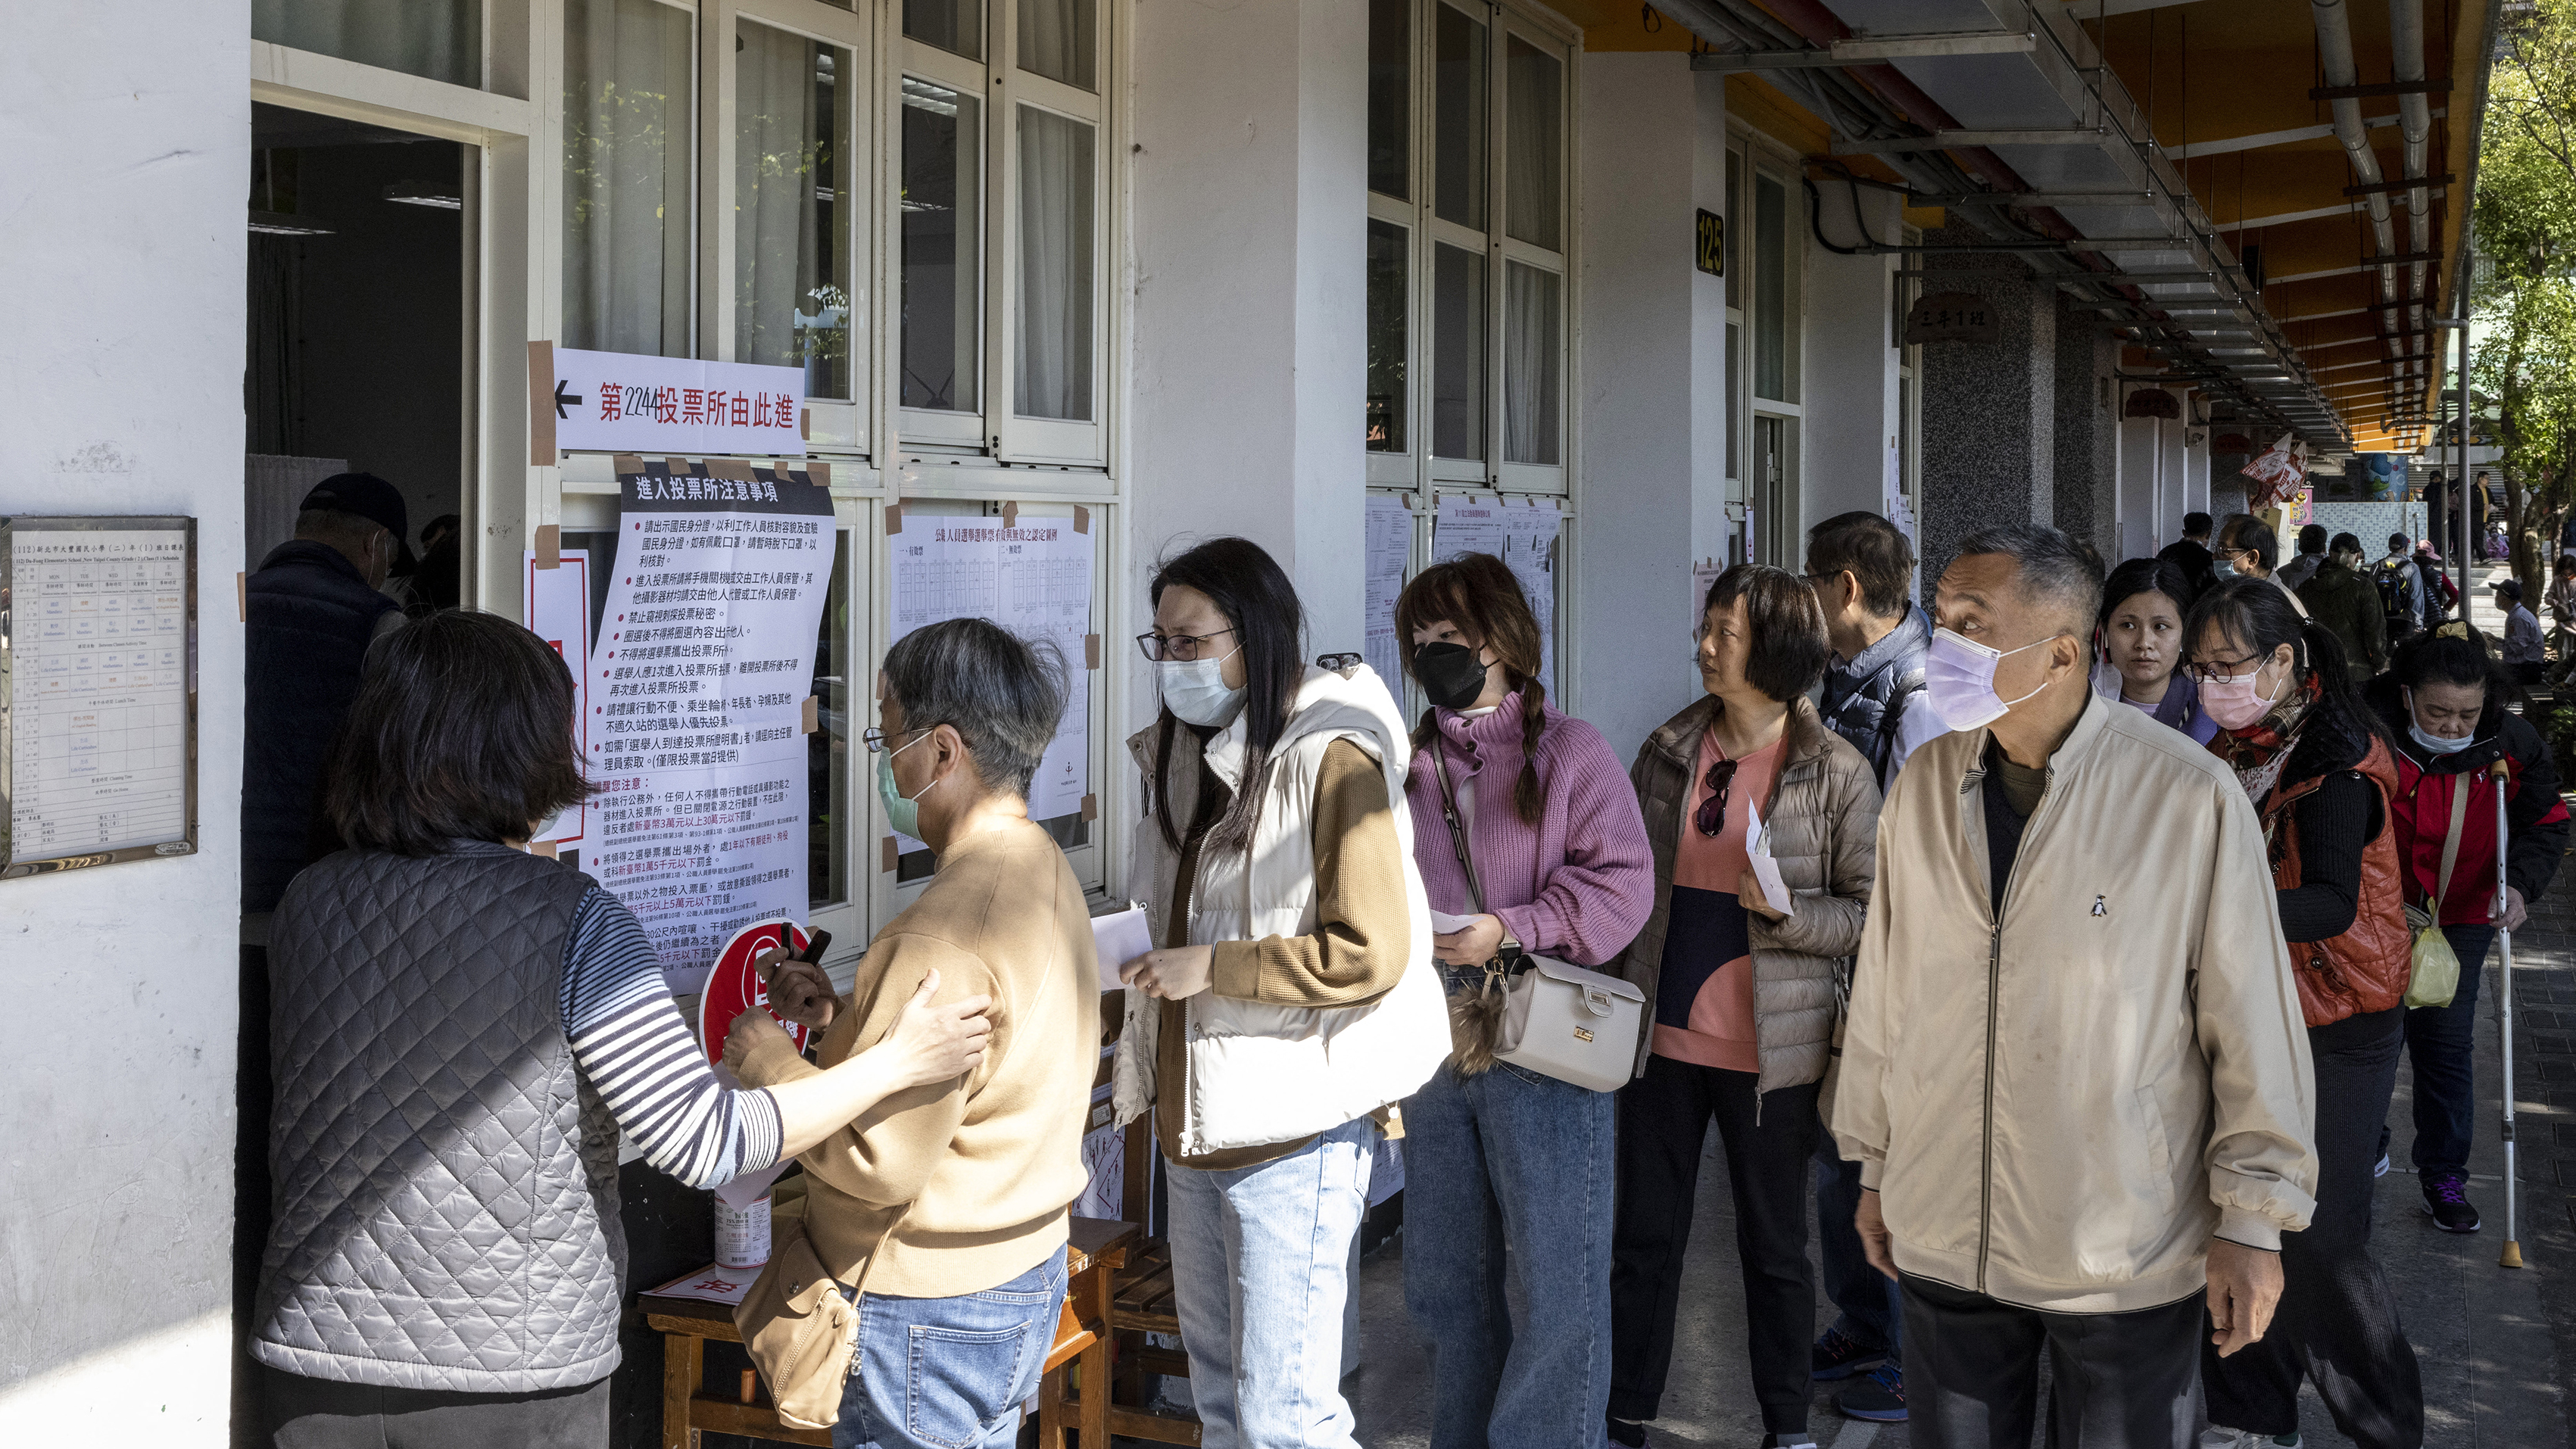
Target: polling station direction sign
{"x": 620, "y": 402}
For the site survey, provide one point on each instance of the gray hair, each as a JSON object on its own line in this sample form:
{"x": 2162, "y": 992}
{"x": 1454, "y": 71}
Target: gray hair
{"x": 2057, "y": 572}
{"x": 978, "y": 678}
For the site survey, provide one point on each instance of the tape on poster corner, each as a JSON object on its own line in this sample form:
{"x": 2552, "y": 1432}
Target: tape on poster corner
{"x": 680, "y": 467}
{"x": 1090, "y": 807}
{"x": 813, "y": 720}
{"x": 888, "y": 854}
{"x": 894, "y": 517}
{"x": 818, "y": 472}
{"x": 1011, "y": 514}
{"x": 550, "y": 545}
{"x": 1081, "y": 519}
{"x": 1091, "y": 651}
{"x": 241, "y": 596}
{"x": 542, "y": 452}
{"x": 805, "y": 424}
{"x": 733, "y": 468}
{"x": 628, "y": 463}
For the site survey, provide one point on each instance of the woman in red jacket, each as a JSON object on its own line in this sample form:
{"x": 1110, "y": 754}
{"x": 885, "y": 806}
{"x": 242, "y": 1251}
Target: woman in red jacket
{"x": 2443, "y": 703}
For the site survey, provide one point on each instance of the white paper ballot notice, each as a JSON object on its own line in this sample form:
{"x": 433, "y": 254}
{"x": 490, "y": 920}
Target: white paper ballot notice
{"x": 1766, "y": 868}
{"x": 1121, "y": 937}
{"x": 1443, "y": 923}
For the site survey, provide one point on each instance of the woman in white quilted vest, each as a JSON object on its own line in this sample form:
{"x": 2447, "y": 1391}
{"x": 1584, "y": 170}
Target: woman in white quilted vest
{"x": 1293, "y": 1000}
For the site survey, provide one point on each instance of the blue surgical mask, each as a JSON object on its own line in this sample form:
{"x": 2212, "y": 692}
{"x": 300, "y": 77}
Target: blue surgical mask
{"x": 1194, "y": 690}
{"x": 903, "y": 816}
{"x": 2223, "y": 569}
{"x": 2432, "y": 744}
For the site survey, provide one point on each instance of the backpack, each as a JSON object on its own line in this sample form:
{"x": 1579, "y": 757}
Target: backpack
{"x": 2394, "y": 578}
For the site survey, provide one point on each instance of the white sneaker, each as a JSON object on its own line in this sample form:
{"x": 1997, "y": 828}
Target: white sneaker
{"x": 2382, "y": 1169}
{"x": 2215, "y": 1437}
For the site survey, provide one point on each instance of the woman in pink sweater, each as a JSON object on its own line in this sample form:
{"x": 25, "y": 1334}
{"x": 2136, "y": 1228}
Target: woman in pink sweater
{"x": 1506, "y": 1157}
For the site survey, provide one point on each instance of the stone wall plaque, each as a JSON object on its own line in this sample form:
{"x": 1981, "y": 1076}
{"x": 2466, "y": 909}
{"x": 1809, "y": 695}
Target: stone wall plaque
{"x": 1952, "y": 317}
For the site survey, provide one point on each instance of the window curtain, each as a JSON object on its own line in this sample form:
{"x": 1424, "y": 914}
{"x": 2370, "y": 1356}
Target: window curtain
{"x": 1532, "y": 154}
{"x": 439, "y": 39}
{"x": 627, "y": 137}
{"x": 1056, "y": 40}
{"x": 1530, "y": 355}
{"x": 1053, "y": 359}
{"x": 775, "y": 151}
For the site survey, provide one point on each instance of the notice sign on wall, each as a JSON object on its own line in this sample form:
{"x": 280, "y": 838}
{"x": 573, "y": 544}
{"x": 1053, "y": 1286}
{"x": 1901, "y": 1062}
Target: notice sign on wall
{"x": 619, "y": 402}
{"x": 555, "y": 600}
{"x": 698, "y": 687}
{"x": 98, "y": 717}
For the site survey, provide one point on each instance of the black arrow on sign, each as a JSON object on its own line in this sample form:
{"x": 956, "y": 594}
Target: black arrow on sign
{"x": 562, "y": 401}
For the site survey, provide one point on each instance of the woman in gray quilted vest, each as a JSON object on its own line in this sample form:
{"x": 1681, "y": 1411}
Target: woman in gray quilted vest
{"x": 460, "y": 1030}
{"x": 1740, "y": 972}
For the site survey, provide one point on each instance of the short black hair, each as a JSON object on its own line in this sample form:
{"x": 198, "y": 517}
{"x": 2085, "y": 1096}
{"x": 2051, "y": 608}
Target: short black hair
{"x": 2056, "y": 571}
{"x": 2343, "y": 543}
{"x": 1785, "y": 623}
{"x": 2450, "y": 653}
{"x": 1873, "y": 551}
{"x": 2252, "y": 535}
{"x": 2195, "y": 525}
{"x": 462, "y": 730}
{"x": 2312, "y": 538}
{"x": 1001, "y": 695}
{"x": 2143, "y": 576}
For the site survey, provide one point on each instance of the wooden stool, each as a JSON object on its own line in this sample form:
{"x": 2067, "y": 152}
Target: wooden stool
{"x": 1141, "y": 1303}
{"x": 1082, "y": 1339}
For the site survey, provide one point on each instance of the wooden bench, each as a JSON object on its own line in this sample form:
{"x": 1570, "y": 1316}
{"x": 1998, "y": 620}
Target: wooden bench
{"x": 1082, "y": 1346}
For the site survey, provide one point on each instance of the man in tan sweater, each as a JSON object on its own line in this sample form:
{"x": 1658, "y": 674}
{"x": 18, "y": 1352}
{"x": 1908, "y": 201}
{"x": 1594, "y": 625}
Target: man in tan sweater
{"x": 943, "y": 1209}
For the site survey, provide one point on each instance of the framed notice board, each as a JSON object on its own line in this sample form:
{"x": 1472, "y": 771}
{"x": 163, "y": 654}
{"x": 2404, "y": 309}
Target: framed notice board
{"x": 98, "y": 691}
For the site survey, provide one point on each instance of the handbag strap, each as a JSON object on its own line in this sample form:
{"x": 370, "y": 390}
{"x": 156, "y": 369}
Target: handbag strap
{"x": 2451, "y": 843}
{"x": 1510, "y": 948}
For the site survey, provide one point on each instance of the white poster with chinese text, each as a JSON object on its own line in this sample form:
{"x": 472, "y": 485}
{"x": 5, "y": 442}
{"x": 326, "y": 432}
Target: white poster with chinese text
{"x": 1522, "y": 532}
{"x": 556, "y": 603}
{"x": 1390, "y": 549}
{"x": 698, "y": 683}
{"x": 620, "y": 402}
{"x": 1032, "y": 577}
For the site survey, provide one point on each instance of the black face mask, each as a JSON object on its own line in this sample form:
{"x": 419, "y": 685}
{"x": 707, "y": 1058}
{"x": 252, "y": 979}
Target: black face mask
{"x": 1449, "y": 674}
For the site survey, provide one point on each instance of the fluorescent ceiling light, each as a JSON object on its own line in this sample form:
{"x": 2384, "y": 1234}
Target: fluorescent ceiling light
{"x": 276, "y": 223}
{"x": 425, "y": 193}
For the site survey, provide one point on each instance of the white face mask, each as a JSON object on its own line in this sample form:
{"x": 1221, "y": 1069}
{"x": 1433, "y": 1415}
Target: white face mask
{"x": 1959, "y": 680}
{"x": 2433, "y": 744}
{"x": 1194, "y": 690}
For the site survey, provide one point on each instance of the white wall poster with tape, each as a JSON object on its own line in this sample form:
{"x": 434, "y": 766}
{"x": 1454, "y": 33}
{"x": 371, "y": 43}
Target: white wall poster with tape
{"x": 701, "y": 689}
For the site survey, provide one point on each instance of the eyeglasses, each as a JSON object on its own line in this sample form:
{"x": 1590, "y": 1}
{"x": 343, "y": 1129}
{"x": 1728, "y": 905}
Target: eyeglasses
{"x": 1711, "y": 815}
{"x": 2218, "y": 669}
{"x": 876, "y": 737}
{"x": 1160, "y": 647}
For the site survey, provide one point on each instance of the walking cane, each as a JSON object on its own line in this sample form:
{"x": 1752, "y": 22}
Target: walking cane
{"x": 2512, "y": 1255}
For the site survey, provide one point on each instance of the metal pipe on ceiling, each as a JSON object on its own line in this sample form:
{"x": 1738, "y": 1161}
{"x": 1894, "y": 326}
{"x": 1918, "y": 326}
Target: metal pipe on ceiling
{"x": 2333, "y": 20}
{"x": 2415, "y": 125}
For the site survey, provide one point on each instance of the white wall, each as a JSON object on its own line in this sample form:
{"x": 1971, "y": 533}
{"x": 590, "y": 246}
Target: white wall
{"x": 1850, "y": 376}
{"x": 121, "y": 211}
{"x": 1249, "y": 217}
{"x": 1643, "y": 329}
{"x": 1708, "y": 380}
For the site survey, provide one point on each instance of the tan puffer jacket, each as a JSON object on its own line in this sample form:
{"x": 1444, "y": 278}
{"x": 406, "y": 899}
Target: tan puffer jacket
{"x": 1823, "y": 814}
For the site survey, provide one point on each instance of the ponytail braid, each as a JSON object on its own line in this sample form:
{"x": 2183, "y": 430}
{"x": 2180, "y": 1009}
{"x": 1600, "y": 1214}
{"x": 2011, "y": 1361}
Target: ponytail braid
{"x": 1528, "y": 800}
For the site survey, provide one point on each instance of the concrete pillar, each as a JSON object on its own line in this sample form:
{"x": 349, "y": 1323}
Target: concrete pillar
{"x": 2085, "y": 502}
{"x": 2195, "y": 466}
{"x": 1851, "y": 417}
{"x": 2173, "y": 478}
{"x": 2140, "y": 472}
{"x": 1249, "y": 179}
{"x": 1652, "y": 399}
{"x": 1989, "y": 408}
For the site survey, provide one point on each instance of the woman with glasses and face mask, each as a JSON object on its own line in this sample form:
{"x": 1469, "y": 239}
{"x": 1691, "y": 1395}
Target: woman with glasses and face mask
{"x": 1502, "y": 1163}
{"x": 2137, "y": 646}
{"x": 1742, "y": 986}
{"x": 2443, "y": 701}
{"x": 1291, "y": 999}
{"x": 2323, "y": 780}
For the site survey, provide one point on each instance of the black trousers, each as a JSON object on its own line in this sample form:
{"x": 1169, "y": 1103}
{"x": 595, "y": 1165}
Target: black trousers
{"x": 2336, "y": 1325}
{"x": 1663, "y": 1124}
{"x": 308, "y": 1413}
{"x": 2119, "y": 1380}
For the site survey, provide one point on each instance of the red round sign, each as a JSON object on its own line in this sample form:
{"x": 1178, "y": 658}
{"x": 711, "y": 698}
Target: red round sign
{"x": 733, "y": 987}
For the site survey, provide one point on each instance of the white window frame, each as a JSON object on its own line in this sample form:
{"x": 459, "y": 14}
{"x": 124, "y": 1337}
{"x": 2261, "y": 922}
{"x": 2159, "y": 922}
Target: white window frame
{"x": 1418, "y": 468}
{"x": 1776, "y": 510}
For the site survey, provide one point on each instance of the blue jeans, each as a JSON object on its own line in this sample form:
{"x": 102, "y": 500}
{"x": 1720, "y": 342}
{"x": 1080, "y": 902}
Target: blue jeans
{"x": 1872, "y": 1304}
{"x": 2439, "y": 1041}
{"x": 1260, "y": 1272}
{"x": 1511, "y": 1158}
{"x": 950, "y": 1373}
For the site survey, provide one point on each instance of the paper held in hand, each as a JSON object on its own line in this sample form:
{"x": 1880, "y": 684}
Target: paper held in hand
{"x": 1121, "y": 937}
{"x": 1766, "y": 869}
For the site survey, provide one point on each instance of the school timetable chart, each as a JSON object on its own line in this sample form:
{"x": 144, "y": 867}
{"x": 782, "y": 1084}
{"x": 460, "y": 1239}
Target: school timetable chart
{"x": 95, "y": 636}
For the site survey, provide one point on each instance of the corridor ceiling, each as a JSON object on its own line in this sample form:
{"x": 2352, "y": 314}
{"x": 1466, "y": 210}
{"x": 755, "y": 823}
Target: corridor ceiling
{"x": 2211, "y": 156}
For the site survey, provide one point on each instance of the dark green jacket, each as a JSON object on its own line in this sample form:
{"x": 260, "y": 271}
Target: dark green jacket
{"x": 2345, "y": 602}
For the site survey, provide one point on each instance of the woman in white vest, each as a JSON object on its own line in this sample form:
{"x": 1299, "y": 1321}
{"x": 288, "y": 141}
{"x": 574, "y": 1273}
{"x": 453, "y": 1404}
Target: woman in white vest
{"x": 1293, "y": 1000}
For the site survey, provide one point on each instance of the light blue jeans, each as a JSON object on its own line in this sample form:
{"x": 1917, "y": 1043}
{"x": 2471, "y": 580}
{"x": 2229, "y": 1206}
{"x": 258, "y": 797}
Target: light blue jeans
{"x": 950, "y": 1373}
{"x": 1510, "y": 1157}
{"x": 1260, "y": 1273}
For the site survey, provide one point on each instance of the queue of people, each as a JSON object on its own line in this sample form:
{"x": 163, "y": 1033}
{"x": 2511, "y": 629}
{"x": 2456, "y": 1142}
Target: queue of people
{"x": 2078, "y": 1022}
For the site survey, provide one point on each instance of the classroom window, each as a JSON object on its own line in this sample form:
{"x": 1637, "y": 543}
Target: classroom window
{"x": 629, "y": 136}
{"x": 439, "y": 39}
{"x": 792, "y": 206}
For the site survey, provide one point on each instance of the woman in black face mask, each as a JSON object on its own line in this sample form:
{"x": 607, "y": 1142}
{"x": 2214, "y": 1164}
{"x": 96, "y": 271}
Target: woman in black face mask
{"x": 1497, "y": 1156}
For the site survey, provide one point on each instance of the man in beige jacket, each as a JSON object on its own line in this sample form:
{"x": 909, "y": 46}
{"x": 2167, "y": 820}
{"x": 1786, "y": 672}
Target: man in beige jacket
{"x": 2075, "y": 1075}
